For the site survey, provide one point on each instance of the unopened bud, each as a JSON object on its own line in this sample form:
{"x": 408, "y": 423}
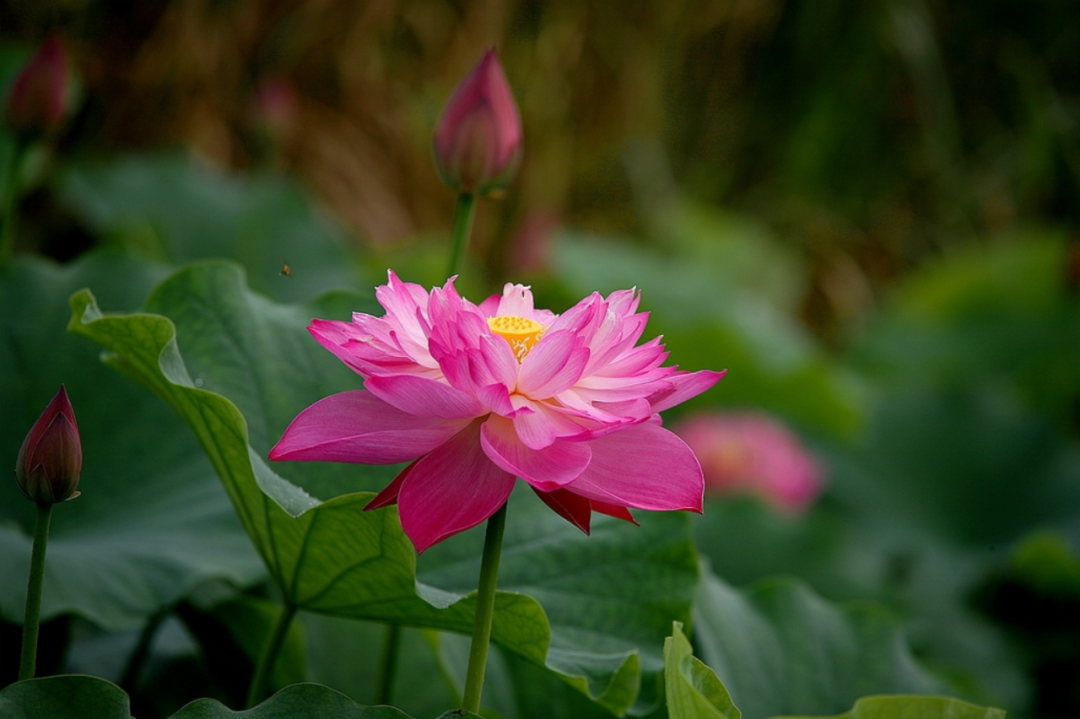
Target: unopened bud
{"x": 40, "y": 94}
{"x": 50, "y": 459}
{"x": 478, "y": 140}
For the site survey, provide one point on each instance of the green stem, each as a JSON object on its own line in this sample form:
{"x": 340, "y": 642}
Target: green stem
{"x": 269, "y": 656}
{"x": 459, "y": 236}
{"x": 11, "y": 193}
{"x": 388, "y": 669}
{"x": 485, "y": 611}
{"x": 130, "y": 676}
{"x": 33, "y": 591}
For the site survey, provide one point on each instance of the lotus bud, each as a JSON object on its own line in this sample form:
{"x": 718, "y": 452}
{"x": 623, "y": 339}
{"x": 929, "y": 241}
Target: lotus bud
{"x": 40, "y": 94}
{"x": 50, "y": 459}
{"x": 478, "y": 140}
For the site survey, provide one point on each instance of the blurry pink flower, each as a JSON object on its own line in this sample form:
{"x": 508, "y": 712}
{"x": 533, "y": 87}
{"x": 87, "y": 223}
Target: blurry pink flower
{"x": 39, "y": 95}
{"x": 751, "y": 453}
{"x": 478, "y": 140}
{"x": 476, "y": 395}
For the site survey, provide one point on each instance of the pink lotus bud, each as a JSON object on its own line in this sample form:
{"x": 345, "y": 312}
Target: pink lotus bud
{"x": 50, "y": 459}
{"x": 478, "y": 140}
{"x": 753, "y": 454}
{"x": 39, "y": 96}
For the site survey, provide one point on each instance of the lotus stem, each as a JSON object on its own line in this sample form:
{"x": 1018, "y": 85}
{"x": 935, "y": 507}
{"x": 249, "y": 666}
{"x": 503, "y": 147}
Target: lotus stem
{"x": 28, "y": 662}
{"x": 485, "y": 611}
{"x": 388, "y": 666}
{"x": 269, "y": 656}
{"x": 459, "y": 235}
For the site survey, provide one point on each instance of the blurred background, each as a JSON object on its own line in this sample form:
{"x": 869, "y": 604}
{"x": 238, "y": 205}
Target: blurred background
{"x": 868, "y": 212}
{"x": 866, "y": 138}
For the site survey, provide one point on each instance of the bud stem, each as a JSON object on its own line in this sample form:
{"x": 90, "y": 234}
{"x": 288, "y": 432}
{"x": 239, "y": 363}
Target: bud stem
{"x": 388, "y": 665}
{"x": 10, "y": 195}
{"x": 33, "y": 592}
{"x": 257, "y": 690}
{"x": 485, "y": 611}
{"x": 459, "y": 235}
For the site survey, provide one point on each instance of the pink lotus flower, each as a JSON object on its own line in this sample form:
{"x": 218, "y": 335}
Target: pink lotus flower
{"x": 40, "y": 93}
{"x": 475, "y": 396}
{"x": 50, "y": 459}
{"x": 478, "y": 140}
{"x": 752, "y": 453}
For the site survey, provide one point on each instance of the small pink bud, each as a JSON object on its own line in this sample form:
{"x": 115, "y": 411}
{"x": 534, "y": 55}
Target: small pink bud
{"x": 38, "y": 99}
{"x": 478, "y": 140}
{"x": 50, "y": 459}
{"x": 277, "y": 107}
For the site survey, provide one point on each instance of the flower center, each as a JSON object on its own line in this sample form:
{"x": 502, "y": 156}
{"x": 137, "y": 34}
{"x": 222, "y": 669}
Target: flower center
{"x": 521, "y": 333}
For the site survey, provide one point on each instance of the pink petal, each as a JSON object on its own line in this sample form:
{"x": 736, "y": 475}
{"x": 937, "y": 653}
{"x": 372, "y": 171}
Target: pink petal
{"x": 499, "y": 363}
{"x": 490, "y": 306}
{"x": 553, "y": 365}
{"x": 359, "y": 427}
{"x": 644, "y": 466}
{"x": 684, "y": 386}
{"x": 516, "y": 301}
{"x": 334, "y": 335}
{"x": 532, "y": 427}
{"x": 613, "y": 510}
{"x": 572, "y": 507}
{"x": 546, "y": 469}
{"x": 496, "y": 398}
{"x": 424, "y": 397}
{"x": 624, "y": 302}
{"x": 538, "y": 424}
{"x": 401, "y": 298}
{"x": 451, "y": 489}
{"x": 582, "y": 317}
{"x": 389, "y": 494}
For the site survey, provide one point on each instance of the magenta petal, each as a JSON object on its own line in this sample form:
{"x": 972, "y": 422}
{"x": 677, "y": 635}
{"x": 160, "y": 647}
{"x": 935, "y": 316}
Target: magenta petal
{"x": 357, "y": 426}
{"x": 553, "y": 365}
{"x": 334, "y": 336}
{"x": 424, "y": 397}
{"x": 452, "y": 489}
{"x": 496, "y": 398}
{"x": 644, "y": 466}
{"x": 572, "y": 507}
{"x": 546, "y": 469}
{"x": 683, "y": 387}
{"x": 613, "y": 510}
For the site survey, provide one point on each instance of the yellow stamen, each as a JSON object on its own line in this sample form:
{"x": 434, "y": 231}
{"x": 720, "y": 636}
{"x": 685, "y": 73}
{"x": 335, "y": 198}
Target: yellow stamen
{"x": 521, "y": 333}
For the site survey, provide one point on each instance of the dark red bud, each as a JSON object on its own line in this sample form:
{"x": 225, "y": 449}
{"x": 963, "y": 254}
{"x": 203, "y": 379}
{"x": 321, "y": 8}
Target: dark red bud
{"x": 39, "y": 96}
{"x": 50, "y": 459}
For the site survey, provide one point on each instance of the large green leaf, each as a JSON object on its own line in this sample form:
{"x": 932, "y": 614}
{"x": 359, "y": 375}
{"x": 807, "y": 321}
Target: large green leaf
{"x": 64, "y": 697}
{"x": 609, "y": 597}
{"x": 83, "y": 697}
{"x": 779, "y": 648}
{"x": 171, "y": 205}
{"x": 152, "y": 522}
{"x": 300, "y": 701}
{"x": 908, "y": 707}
